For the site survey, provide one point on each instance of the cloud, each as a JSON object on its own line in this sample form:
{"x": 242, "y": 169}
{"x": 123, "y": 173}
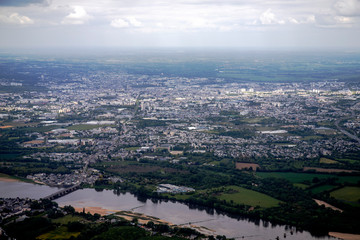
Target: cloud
{"x": 16, "y": 18}
{"x": 119, "y": 23}
{"x": 78, "y": 16}
{"x": 268, "y": 18}
{"x": 302, "y": 19}
{"x": 18, "y": 3}
{"x": 126, "y": 23}
{"x": 134, "y": 22}
{"x": 347, "y": 7}
{"x": 325, "y": 20}
{"x": 183, "y": 22}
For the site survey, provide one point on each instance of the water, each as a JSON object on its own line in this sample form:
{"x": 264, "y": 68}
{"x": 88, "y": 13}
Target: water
{"x": 25, "y": 190}
{"x": 179, "y": 213}
{"x": 174, "y": 212}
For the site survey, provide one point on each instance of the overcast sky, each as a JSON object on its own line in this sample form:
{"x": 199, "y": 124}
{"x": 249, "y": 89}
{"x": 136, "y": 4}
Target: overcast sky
{"x": 180, "y": 23}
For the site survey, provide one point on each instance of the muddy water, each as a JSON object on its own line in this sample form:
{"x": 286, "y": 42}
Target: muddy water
{"x": 179, "y": 213}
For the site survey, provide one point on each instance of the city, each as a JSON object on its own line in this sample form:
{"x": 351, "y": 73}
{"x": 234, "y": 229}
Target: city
{"x": 210, "y": 141}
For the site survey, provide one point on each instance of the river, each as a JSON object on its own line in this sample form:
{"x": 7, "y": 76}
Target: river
{"x": 174, "y": 212}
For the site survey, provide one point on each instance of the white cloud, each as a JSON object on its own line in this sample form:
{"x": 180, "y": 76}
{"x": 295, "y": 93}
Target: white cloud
{"x": 293, "y": 20}
{"x": 126, "y": 23}
{"x": 78, "y": 16}
{"x": 302, "y": 20}
{"x": 134, "y": 22}
{"x": 269, "y": 18}
{"x": 348, "y": 7}
{"x": 16, "y": 18}
{"x": 119, "y": 23}
{"x": 184, "y": 22}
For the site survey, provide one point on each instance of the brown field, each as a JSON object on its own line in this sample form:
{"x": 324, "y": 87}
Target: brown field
{"x": 240, "y": 166}
{"x": 141, "y": 169}
{"x": 6, "y": 179}
{"x": 34, "y": 142}
{"x": 7, "y": 126}
{"x": 328, "y": 170}
{"x": 176, "y": 152}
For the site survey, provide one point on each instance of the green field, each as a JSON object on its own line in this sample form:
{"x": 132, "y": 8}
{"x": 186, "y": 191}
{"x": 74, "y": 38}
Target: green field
{"x": 66, "y": 219}
{"x": 302, "y": 177}
{"x": 84, "y": 127}
{"x": 307, "y": 138}
{"x": 132, "y": 148}
{"x": 38, "y": 129}
{"x": 9, "y": 156}
{"x": 58, "y": 233}
{"x": 294, "y": 177}
{"x": 349, "y": 179}
{"x": 347, "y": 160}
{"x": 322, "y": 188}
{"x": 327, "y": 161}
{"x": 348, "y": 194}
{"x": 241, "y": 195}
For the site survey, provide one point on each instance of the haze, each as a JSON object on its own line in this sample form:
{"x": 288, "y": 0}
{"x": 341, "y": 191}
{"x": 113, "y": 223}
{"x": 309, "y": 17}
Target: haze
{"x": 281, "y": 24}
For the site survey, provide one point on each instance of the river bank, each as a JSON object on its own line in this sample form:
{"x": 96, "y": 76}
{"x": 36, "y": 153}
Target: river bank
{"x": 107, "y": 202}
{"x": 7, "y": 178}
{"x": 345, "y": 236}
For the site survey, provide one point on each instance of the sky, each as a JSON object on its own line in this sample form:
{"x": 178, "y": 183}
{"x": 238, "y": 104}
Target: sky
{"x": 273, "y": 24}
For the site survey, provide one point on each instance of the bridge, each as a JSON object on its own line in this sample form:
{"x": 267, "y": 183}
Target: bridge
{"x": 62, "y": 192}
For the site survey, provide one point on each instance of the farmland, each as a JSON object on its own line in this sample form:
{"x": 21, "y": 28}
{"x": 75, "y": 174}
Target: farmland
{"x": 67, "y": 218}
{"x": 239, "y": 195}
{"x": 293, "y": 177}
{"x": 58, "y": 233}
{"x": 328, "y": 170}
{"x": 296, "y": 177}
{"x": 83, "y": 127}
{"x": 348, "y": 194}
{"x": 253, "y": 166}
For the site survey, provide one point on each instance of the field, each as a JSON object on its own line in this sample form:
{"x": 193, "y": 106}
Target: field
{"x": 348, "y": 194}
{"x": 307, "y": 138}
{"x": 84, "y": 127}
{"x": 253, "y": 166}
{"x": 40, "y": 129}
{"x": 132, "y": 148}
{"x": 14, "y": 178}
{"x": 58, "y": 233}
{"x": 328, "y": 170}
{"x": 326, "y": 131}
{"x": 66, "y": 219}
{"x": 349, "y": 179}
{"x": 9, "y": 156}
{"x": 322, "y": 188}
{"x": 294, "y": 177}
{"x": 248, "y": 197}
{"x": 327, "y": 161}
{"x": 302, "y": 177}
{"x": 127, "y": 167}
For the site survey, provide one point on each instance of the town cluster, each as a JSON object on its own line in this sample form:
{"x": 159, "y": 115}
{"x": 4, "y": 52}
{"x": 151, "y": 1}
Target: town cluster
{"x": 103, "y": 116}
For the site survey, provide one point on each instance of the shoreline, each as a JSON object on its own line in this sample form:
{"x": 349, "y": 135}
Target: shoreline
{"x": 142, "y": 218}
{"x": 345, "y": 236}
{"x": 7, "y": 178}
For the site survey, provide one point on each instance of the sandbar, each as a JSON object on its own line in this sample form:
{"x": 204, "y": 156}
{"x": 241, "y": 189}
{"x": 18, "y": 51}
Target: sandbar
{"x": 345, "y": 236}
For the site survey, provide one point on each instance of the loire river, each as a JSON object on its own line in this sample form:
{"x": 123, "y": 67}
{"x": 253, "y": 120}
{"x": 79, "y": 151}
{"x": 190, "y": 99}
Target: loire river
{"x": 174, "y": 212}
